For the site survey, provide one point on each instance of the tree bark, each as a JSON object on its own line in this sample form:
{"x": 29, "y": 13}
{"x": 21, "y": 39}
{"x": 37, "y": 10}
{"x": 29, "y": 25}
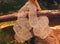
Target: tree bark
{"x": 49, "y": 13}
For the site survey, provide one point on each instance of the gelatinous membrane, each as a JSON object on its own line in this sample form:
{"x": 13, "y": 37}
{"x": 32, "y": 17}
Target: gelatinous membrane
{"x": 23, "y": 25}
{"x": 33, "y": 20}
{"x": 23, "y": 35}
{"x": 43, "y": 21}
{"x": 23, "y": 22}
{"x": 22, "y": 29}
{"x": 19, "y": 39}
{"x": 42, "y": 33}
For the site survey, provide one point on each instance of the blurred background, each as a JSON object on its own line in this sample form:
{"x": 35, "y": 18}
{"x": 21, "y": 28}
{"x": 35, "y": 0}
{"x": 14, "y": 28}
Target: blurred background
{"x": 10, "y": 6}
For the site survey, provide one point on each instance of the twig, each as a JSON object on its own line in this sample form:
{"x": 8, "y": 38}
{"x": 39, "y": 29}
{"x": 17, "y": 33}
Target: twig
{"x": 49, "y": 13}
